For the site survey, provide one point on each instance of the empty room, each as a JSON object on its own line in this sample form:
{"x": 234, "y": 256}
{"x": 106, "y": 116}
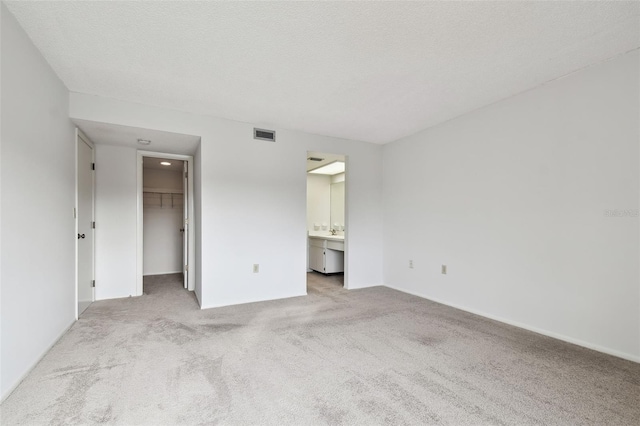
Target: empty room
{"x": 310, "y": 213}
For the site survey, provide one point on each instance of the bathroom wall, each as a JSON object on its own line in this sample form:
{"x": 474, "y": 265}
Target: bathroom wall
{"x": 318, "y": 201}
{"x": 337, "y": 220}
{"x": 337, "y": 178}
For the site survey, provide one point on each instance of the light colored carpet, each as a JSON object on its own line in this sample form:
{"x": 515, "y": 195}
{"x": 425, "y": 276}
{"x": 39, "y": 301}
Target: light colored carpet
{"x": 371, "y": 356}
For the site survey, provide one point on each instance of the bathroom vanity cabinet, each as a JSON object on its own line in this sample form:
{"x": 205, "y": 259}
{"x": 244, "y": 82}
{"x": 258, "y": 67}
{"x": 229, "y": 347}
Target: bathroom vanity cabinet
{"x": 326, "y": 254}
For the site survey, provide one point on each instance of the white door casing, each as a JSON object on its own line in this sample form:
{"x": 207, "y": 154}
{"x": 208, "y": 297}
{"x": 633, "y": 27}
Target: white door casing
{"x": 185, "y": 224}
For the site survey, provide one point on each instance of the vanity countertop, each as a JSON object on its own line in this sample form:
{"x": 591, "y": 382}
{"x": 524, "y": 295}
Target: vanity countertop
{"x": 328, "y": 237}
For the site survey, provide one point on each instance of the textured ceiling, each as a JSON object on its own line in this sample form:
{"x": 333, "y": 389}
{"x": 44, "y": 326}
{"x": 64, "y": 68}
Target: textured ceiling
{"x": 372, "y": 71}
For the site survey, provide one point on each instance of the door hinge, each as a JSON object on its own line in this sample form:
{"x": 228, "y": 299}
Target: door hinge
{"x": 93, "y": 283}
{"x": 93, "y": 225}
{"x": 93, "y": 166}
{"x": 186, "y": 267}
{"x": 186, "y": 175}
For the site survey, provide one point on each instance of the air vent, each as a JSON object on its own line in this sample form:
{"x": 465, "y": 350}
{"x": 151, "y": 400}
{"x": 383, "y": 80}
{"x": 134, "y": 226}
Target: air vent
{"x": 264, "y": 135}
{"x": 315, "y": 159}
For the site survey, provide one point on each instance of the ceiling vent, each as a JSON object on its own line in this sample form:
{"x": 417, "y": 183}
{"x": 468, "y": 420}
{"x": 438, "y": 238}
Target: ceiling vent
{"x": 264, "y": 135}
{"x": 315, "y": 159}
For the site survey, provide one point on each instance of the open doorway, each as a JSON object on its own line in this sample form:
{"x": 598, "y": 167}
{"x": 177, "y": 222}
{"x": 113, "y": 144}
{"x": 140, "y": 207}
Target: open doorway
{"x": 163, "y": 246}
{"x": 165, "y": 216}
{"x": 326, "y": 222}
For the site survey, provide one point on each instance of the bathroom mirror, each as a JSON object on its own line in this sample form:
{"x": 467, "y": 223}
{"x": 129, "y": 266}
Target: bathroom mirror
{"x": 337, "y": 205}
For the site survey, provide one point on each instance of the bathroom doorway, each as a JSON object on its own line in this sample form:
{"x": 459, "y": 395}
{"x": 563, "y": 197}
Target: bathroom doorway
{"x": 326, "y": 221}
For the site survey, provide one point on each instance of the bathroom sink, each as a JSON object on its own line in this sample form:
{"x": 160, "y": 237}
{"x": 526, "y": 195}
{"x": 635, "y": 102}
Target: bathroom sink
{"x": 328, "y": 237}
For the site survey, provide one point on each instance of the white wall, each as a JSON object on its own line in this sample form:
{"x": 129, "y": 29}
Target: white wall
{"x": 38, "y": 196}
{"x": 318, "y": 201}
{"x": 162, "y": 239}
{"x": 197, "y": 194}
{"x": 116, "y": 221}
{"x": 162, "y": 179}
{"x": 337, "y": 207}
{"x": 514, "y": 199}
{"x": 337, "y": 178}
{"x": 253, "y": 203}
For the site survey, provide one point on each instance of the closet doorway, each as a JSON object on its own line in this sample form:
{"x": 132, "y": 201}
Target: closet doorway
{"x": 165, "y": 213}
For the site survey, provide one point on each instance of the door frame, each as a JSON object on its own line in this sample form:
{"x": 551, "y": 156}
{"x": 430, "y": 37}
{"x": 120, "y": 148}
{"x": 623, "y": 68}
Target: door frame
{"x": 347, "y": 227}
{"x": 81, "y": 137}
{"x": 191, "y": 261}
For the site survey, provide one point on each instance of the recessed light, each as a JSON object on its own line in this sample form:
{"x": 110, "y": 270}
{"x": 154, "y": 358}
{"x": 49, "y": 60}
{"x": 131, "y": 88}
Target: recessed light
{"x": 330, "y": 169}
{"x": 144, "y": 141}
{"x": 165, "y": 163}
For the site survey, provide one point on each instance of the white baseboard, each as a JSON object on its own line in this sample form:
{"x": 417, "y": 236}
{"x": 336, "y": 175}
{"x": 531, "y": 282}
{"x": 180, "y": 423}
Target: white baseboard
{"x": 588, "y": 345}
{"x": 252, "y": 301}
{"x": 357, "y": 287}
{"x": 32, "y": 366}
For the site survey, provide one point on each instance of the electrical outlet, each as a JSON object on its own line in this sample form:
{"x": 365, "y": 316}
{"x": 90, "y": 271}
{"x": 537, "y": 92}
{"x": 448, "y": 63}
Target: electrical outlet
{"x": 256, "y": 268}
{"x": 444, "y": 269}
{"x": 411, "y": 264}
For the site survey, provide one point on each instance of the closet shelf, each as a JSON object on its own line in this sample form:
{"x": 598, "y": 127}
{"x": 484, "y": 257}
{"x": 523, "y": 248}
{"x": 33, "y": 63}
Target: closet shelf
{"x": 162, "y": 191}
{"x": 162, "y": 198}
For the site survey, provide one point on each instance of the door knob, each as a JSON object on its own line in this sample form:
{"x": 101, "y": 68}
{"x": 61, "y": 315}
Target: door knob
{"x": 80, "y": 236}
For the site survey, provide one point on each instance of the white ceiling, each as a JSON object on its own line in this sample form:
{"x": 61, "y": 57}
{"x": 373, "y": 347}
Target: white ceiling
{"x": 372, "y": 71}
{"x": 113, "y": 134}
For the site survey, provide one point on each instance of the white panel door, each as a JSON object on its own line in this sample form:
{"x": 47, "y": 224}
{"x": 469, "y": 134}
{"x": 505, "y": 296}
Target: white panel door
{"x": 84, "y": 213}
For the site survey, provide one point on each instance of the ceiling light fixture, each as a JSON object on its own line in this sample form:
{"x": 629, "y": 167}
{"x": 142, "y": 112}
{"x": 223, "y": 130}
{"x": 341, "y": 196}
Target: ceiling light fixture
{"x": 165, "y": 163}
{"x": 144, "y": 141}
{"x": 330, "y": 169}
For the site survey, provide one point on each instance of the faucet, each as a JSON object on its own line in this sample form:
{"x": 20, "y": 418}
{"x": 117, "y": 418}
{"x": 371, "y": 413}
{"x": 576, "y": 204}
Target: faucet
{"x": 333, "y": 231}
